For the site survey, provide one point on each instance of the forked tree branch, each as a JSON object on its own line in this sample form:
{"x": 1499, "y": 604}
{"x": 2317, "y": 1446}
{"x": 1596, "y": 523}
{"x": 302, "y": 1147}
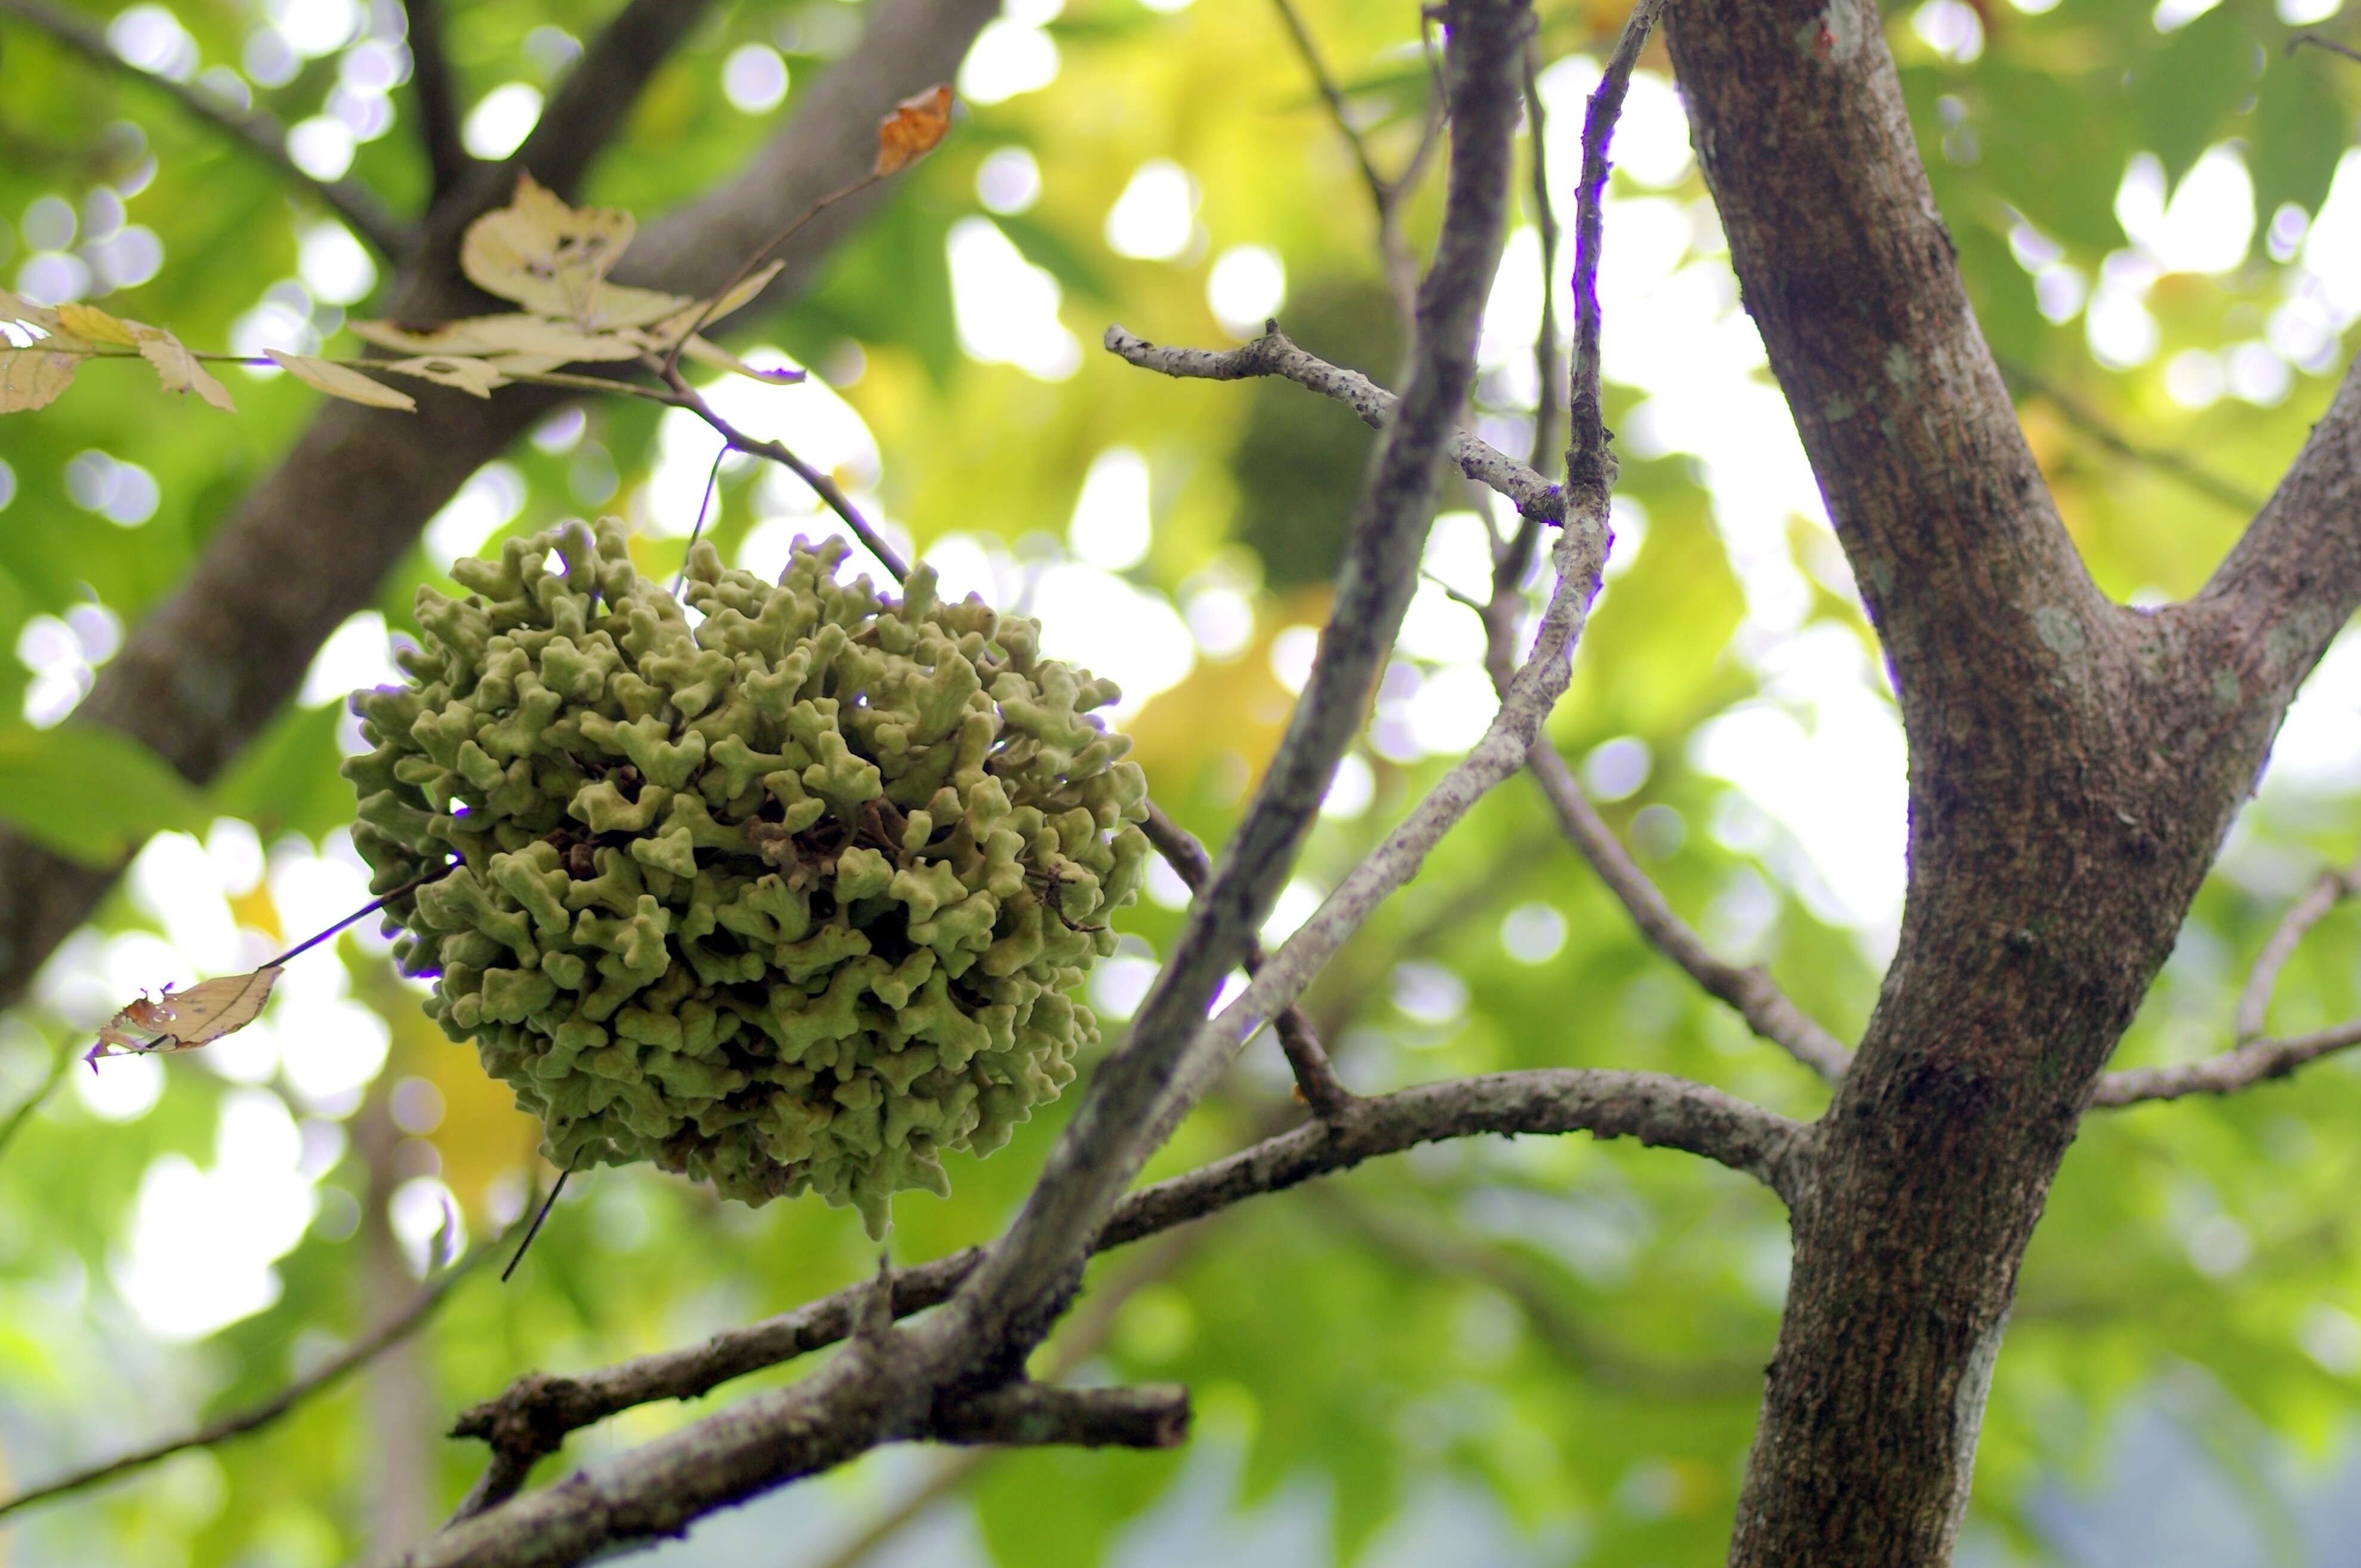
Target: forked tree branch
{"x": 1316, "y": 1076}
{"x": 1135, "y": 1094}
{"x": 2252, "y": 1059}
{"x": 260, "y": 132}
{"x": 531, "y": 1417}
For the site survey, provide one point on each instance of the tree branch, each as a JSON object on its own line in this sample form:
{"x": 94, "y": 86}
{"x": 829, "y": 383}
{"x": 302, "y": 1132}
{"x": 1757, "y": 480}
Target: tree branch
{"x": 261, "y": 132}
{"x": 530, "y": 1419}
{"x": 2240, "y": 1067}
{"x": 2331, "y": 888}
{"x": 1983, "y": 605}
{"x": 212, "y": 664}
{"x": 1274, "y": 354}
{"x": 1150, "y": 1079}
{"x": 1750, "y": 990}
{"x": 1589, "y": 465}
{"x": 448, "y": 160}
{"x": 1316, "y": 1076}
{"x": 360, "y": 1351}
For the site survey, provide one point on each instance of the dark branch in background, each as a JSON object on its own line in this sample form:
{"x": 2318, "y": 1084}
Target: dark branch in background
{"x": 1544, "y": 1301}
{"x": 261, "y": 132}
{"x": 1545, "y": 352}
{"x": 1316, "y": 1077}
{"x": 1273, "y": 354}
{"x": 1385, "y": 195}
{"x": 2086, "y": 419}
{"x": 213, "y": 664}
{"x": 585, "y": 113}
{"x": 438, "y": 103}
{"x": 531, "y": 1419}
{"x": 362, "y": 1350}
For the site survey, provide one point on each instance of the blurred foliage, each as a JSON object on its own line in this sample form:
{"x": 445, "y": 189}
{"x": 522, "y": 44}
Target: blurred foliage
{"x": 1562, "y": 1330}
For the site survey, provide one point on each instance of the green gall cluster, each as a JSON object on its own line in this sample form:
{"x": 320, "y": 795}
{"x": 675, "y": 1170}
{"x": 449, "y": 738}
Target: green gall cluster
{"x": 788, "y": 894}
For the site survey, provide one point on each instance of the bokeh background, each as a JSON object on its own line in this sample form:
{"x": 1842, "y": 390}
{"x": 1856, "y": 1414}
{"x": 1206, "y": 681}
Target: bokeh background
{"x": 1544, "y": 1352}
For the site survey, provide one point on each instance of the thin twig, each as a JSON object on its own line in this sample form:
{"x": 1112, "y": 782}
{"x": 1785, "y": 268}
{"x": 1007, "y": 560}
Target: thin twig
{"x": 761, "y": 254}
{"x": 1316, "y": 1076}
{"x": 1273, "y": 354}
{"x": 447, "y": 160}
{"x": 540, "y": 1214}
{"x": 370, "y": 1344}
{"x": 1589, "y": 463}
{"x": 2331, "y": 45}
{"x": 2239, "y": 1068}
{"x": 2091, "y": 424}
{"x": 822, "y": 486}
{"x": 2331, "y": 888}
{"x": 704, "y": 502}
{"x": 261, "y": 132}
{"x": 33, "y": 1101}
{"x": 1757, "y": 1000}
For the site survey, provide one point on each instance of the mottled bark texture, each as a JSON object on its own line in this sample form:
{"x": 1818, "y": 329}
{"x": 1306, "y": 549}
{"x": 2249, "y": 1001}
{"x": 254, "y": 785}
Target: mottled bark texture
{"x": 2073, "y": 767}
{"x": 204, "y": 670}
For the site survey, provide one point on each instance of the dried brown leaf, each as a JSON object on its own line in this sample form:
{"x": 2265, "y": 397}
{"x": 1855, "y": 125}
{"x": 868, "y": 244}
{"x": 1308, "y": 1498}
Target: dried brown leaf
{"x": 177, "y": 368}
{"x": 179, "y": 1021}
{"x": 32, "y": 377}
{"x": 911, "y": 131}
{"x": 17, "y": 308}
{"x": 338, "y": 381}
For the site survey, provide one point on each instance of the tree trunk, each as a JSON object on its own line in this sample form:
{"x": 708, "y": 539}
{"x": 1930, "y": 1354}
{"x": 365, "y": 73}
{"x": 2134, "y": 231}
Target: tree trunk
{"x": 2073, "y": 766}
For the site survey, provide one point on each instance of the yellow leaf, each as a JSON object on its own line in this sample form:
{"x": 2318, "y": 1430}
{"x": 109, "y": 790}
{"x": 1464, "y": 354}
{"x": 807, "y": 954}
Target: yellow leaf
{"x": 663, "y": 333}
{"x": 712, "y": 353}
{"x": 911, "y": 131}
{"x": 339, "y": 382}
{"x": 439, "y": 337}
{"x": 544, "y": 255}
{"x": 541, "y": 334}
{"x": 95, "y": 325}
{"x": 479, "y": 337}
{"x": 475, "y": 377}
{"x": 177, "y": 1021}
{"x": 32, "y": 377}
{"x": 176, "y": 366}
{"x": 523, "y": 364}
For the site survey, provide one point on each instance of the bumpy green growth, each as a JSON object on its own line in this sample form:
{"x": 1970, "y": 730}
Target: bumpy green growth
{"x": 793, "y": 898}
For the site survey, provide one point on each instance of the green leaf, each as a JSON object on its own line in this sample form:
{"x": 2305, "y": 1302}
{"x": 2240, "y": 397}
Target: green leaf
{"x": 2180, "y": 95}
{"x": 91, "y": 795}
{"x": 2299, "y": 133}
